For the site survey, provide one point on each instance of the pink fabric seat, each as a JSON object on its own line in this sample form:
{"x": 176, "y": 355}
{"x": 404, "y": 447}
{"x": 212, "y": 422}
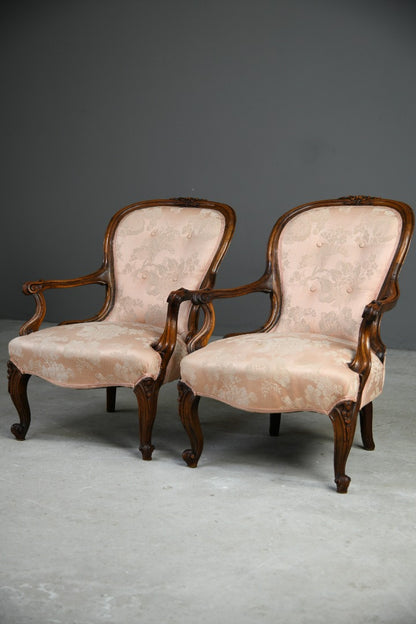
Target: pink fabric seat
{"x": 279, "y": 373}
{"x": 94, "y": 355}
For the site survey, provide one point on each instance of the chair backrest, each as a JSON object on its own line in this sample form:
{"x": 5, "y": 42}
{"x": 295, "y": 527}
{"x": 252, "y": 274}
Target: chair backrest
{"x": 334, "y": 257}
{"x": 160, "y": 245}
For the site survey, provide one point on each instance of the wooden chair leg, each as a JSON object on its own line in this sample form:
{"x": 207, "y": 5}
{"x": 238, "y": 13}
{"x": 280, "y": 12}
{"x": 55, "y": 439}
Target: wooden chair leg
{"x": 344, "y": 420}
{"x": 147, "y": 392}
{"x": 188, "y": 411}
{"x": 18, "y": 392}
{"x": 366, "y": 425}
{"x": 274, "y": 425}
{"x": 111, "y": 399}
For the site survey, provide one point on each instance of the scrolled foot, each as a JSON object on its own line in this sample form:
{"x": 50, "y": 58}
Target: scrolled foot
{"x": 190, "y": 458}
{"x": 19, "y": 431}
{"x": 342, "y": 484}
{"x": 146, "y": 451}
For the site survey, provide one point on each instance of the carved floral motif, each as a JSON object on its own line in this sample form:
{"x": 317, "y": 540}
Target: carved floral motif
{"x": 357, "y": 200}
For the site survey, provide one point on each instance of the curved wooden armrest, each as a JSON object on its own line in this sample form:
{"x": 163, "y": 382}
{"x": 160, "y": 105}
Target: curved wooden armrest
{"x": 206, "y": 295}
{"x": 36, "y": 289}
{"x": 166, "y": 343}
{"x": 203, "y": 299}
{"x": 98, "y": 277}
{"x": 369, "y": 336}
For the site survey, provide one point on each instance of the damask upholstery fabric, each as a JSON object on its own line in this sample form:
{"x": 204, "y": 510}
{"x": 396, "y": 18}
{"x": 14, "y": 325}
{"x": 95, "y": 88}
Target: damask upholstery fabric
{"x": 333, "y": 261}
{"x": 269, "y": 372}
{"x": 93, "y": 355}
{"x": 157, "y": 250}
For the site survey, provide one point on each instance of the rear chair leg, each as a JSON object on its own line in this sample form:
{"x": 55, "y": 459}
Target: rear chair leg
{"x": 188, "y": 411}
{"x": 366, "y": 424}
{"x": 18, "y": 391}
{"x": 111, "y": 398}
{"x": 274, "y": 426}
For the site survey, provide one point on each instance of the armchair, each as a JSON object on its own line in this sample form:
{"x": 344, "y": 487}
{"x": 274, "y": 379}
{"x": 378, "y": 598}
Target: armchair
{"x": 331, "y": 273}
{"x": 150, "y": 248}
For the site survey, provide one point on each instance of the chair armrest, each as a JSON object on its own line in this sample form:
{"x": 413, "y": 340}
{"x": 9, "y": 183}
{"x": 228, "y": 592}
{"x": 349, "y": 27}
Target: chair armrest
{"x": 36, "y": 288}
{"x": 369, "y": 338}
{"x": 206, "y": 295}
{"x": 98, "y": 277}
{"x": 166, "y": 343}
{"x": 203, "y": 300}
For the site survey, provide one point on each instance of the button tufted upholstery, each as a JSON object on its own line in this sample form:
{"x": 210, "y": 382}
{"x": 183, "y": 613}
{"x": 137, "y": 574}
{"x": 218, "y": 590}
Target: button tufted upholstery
{"x": 332, "y": 261}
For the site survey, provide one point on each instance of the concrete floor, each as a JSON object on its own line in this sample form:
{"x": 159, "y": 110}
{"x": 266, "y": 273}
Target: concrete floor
{"x": 257, "y": 533}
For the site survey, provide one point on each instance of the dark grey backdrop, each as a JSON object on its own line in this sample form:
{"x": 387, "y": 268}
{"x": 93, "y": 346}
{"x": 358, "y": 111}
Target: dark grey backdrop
{"x": 263, "y": 104}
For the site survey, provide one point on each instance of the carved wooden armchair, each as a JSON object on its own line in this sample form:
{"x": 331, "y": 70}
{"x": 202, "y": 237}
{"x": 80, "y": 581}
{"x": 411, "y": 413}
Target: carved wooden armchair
{"x": 150, "y": 248}
{"x": 331, "y": 273}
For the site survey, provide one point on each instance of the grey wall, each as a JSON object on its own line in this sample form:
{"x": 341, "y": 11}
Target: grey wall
{"x": 263, "y": 104}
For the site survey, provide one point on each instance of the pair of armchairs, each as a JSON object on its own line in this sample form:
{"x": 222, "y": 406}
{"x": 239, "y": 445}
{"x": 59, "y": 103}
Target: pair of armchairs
{"x": 331, "y": 273}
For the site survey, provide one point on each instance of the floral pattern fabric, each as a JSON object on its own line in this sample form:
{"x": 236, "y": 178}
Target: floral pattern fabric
{"x": 93, "y": 355}
{"x": 268, "y": 372}
{"x": 157, "y": 250}
{"x": 333, "y": 261}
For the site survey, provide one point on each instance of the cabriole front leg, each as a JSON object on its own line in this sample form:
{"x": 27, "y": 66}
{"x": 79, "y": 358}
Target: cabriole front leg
{"x": 188, "y": 411}
{"x": 18, "y": 391}
{"x": 147, "y": 392}
{"x": 344, "y": 420}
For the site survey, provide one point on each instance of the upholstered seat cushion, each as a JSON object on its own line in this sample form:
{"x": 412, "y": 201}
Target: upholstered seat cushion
{"x": 268, "y": 372}
{"x": 92, "y": 355}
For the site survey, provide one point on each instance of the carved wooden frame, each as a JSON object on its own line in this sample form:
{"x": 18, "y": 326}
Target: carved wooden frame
{"x": 344, "y": 415}
{"x": 147, "y": 389}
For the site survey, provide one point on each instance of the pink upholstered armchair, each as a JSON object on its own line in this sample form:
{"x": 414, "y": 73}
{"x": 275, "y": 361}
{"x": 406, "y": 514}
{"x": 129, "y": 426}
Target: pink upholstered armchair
{"x": 331, "y": 273}
{"x": 150, "y": 248}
